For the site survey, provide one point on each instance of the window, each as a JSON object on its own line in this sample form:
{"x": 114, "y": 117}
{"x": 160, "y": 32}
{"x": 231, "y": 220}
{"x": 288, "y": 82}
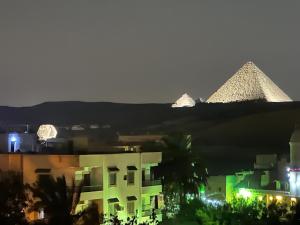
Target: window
{"x": 113, "y": 175}
{"x": 143, "y": 175}
{"x": 112, "y": 178}
{"x": 86, "y": 180}
{"x": 43, "y": 174}
{"x": 44, "y": 177}
{"x": 130, "y": 177}
{"x": 130, "y": 208}
{"x": 114, "y": 208}
{"x": 130, "y": 174}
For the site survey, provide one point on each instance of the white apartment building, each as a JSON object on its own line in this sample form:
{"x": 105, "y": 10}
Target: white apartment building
{"x": 121, "y": 184}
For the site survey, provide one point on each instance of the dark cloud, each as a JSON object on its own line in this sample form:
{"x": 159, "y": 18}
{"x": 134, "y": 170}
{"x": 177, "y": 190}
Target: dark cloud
{"x": 141, "y": 51}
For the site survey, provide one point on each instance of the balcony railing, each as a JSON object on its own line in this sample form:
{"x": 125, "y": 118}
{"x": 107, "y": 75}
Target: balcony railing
{"x": 92, "y": 188}
{"x": 149, "y": 212}
{"x": 147, "y": 183}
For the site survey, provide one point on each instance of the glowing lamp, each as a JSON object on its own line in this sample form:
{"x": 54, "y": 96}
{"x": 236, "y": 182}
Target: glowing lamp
{"x": 260, "y": 198}
{"x": 271, "y": 198}
{"x": 279, "y": 198}
{"x": 13, "y": 139}
{"x": 293, "y": 199}
{"x": 46, "y": 131}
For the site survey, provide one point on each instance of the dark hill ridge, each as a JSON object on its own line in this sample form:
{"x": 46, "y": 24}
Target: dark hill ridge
{"x": 205, "y": 120}
{"x": 228, "y": 132}
{"x": 64, "y": 113}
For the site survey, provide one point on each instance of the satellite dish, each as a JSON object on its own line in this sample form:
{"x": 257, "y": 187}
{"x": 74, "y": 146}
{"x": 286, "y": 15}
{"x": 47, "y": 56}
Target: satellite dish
{"x": 46, "y": 131}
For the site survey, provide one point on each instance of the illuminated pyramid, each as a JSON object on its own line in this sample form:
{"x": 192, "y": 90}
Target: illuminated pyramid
{"x": 249, "y": 83}
{"x": 184, "y": 101}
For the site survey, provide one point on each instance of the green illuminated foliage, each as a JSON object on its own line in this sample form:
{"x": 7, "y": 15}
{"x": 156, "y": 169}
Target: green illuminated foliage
{"x": 240, "y": 212}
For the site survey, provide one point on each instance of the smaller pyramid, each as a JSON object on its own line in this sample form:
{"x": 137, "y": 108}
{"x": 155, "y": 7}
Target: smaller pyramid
{"x": 184, "y": 101}
{"x": 249, "y": 83}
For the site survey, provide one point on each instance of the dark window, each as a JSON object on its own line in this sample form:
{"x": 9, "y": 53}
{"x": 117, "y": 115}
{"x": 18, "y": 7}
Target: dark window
{"x": 143, "y": 175}
{"x": 112, "y": 179}
{"x": 86, "y": 180}
{"x": 130, "y": 177}
{"x": 44, "y": 177}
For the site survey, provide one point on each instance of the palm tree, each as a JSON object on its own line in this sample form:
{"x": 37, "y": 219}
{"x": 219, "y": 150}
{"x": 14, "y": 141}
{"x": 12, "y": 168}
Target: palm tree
{"x": 56, "y": 199}
{"x": 182, "y": 170}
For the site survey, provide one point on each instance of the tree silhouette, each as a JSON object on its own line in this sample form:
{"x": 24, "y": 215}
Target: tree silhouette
{"x": 56, "y": 199}
{"x": 182, "y": 170}
{"x": 12, "y": 199}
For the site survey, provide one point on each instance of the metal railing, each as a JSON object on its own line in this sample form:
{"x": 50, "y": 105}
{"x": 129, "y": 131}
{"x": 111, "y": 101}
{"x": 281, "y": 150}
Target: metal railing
{"x": 92, "y": 188}
{"x": 148, "y": 212}
{"x": 147, "y": 183}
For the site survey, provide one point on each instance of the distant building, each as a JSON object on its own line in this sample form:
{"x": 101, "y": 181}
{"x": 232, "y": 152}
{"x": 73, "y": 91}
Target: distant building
{"x": 272, "y": 178}
{"x": 88, "y": 143}
{"x": 216, "y": 188}
{"x": 294, "y": 169}
{"x": 18, "y": 142}
{"x": 268, "y": 180}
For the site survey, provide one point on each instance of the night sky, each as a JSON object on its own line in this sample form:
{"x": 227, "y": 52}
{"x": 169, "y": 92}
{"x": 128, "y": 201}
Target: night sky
{"x": 142, "y": 51}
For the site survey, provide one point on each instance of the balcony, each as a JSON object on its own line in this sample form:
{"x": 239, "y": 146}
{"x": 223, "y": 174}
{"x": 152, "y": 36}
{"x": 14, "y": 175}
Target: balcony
{"x": 151, "y": 187}
{"x": 91, "y": 192}
{"x": 92, "y": 188}
{"x": 149, "y": 212}
{"x": 148, "y": 183}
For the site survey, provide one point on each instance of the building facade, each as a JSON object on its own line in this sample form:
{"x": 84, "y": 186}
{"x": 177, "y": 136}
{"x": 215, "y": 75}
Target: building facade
{"x": 120, "y": 184}
{"x": 268, "y": 182}
{"x": 294, "y": 169}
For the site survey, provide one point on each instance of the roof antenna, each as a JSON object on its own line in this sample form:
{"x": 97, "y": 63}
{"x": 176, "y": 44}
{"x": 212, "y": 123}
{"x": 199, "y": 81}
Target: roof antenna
{"x": 27, "y": 129}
